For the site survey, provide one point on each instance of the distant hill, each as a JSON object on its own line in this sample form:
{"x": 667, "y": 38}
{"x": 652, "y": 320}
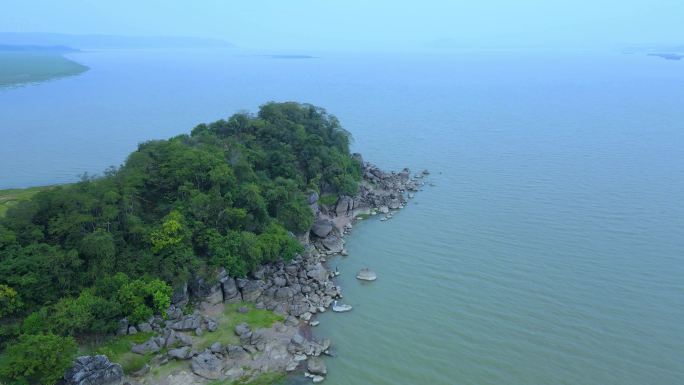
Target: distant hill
{"x": 108, "y": 41}
{"x": 36, "y": 48}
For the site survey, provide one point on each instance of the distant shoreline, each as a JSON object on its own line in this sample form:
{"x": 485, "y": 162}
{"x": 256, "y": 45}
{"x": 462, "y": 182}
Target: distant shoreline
{"x": 23, "y": 65}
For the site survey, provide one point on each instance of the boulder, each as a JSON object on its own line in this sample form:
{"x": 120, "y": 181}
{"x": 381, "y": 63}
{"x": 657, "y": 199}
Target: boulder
{"x": 283, "y": 293}
{"x": 216, "y": 347}
{"x": 207, "y": 365}
{"x": 366, "y": 275}
{"x": 315, "y": 365}
{"x": 279, "y": 281}
{"x": 180, "y": 295}
{"x": 94, "y": 370}
{"x": 230, "y": 290}
{"x": 145, "y": 327}
{"x": 252, "y": 291}
{"x": 122, "y": 330}
{"x": 182, "y": 353}
{"x": 242, "y": 328}
{"x": 317, "y": 272}
{"x": 187, "y": 323}
{"x": 212, "y": 325}
{"x": 215, "y": 295}
{"x": 149, "y": 346}
{"x": 333, "y": 243}
{"x": 345, "y": 206}
{"x": 236, "y": 352}
{"x": 313, "y": 197}
{"x": 258, "y": 339}
{"x": 174, "y": 313}
{"x": 322, "y": 227}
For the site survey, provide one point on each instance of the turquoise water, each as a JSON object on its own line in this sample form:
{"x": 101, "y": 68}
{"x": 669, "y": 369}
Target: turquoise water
{"x": 549, "y": 251}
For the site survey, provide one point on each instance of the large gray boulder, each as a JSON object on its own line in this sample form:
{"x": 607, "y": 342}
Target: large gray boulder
{"x": 215, "y": 295}
{"x": 317, "y": 272}
{"x": 366, "y": 274}
{"x": 251, "y": 291}
{"x": 207, "y": 365}
{"x": 149, "y": 346}
{"x": 345, "y": 206}
{"x": 322, "y": 227}
{"x": 315, "y": 365}
{"x": 242, "y": 328}
{"x": 333, "y": 243}
{"x": 187, "y": 323}
{"x": 180, "y": 295}
{"x": 182, "y": 353}
{"x": 230, "y": 290}
{"x": 94, "y": 370}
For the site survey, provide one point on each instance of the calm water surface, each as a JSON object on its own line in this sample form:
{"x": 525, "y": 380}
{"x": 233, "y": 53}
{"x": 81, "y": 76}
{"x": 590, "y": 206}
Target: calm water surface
{"x": 549, "y": 251}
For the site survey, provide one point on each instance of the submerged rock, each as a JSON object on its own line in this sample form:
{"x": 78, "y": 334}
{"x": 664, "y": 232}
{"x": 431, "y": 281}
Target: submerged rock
{"x": 366, "y": 275}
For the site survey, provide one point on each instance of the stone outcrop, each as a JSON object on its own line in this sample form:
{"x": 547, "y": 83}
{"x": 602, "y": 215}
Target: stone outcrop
{"x": 94, "y": 370}
{"x": 207, "y": 365}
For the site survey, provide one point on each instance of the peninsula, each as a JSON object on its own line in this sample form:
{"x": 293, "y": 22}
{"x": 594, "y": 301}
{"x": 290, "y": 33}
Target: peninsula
{"x": 201, "y": 260}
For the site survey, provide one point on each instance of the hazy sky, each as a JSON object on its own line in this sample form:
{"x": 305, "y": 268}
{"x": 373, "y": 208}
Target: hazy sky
{"x": 363, "y": 24}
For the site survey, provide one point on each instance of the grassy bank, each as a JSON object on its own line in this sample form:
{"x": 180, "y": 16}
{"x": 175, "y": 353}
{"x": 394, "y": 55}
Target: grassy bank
{"x": 10, "y": 197}
{"x": 230, "y": 317}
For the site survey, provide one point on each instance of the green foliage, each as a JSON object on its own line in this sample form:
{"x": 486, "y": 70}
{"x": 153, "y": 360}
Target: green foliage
{"x": 140, "y": 299}
{"x": 328, "y": 199}
{"x": 231, "y": 194}
{"x": 170, "y": 233}
{"x": 10, "y": 302}
{"x": 37, "y": 359}
{"x": 86, "y": 313}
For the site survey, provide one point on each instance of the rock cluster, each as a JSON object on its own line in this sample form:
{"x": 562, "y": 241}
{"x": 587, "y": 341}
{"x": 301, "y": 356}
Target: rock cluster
{"x": 94, "y": 370}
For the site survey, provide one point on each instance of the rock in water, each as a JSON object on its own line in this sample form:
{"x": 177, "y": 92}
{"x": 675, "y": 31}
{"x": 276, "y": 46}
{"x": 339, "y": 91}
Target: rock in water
{"x": 315, "y": 365}
{"x": 366, "y": 275}
{"x": 340, "y": 308}
{"x": 94, "y": 370}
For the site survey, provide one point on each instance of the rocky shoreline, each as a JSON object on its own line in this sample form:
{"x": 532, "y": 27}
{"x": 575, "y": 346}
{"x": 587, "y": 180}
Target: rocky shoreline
{"x": 297, "y": 290}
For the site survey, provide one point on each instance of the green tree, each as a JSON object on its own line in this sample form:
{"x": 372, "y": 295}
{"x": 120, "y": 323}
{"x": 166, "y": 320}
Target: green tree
{"x": 40, "y": 359}
{"x": 10, "y": 302}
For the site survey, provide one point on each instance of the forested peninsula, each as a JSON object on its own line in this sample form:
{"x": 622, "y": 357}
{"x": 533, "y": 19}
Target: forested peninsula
{"x": 191, "y": 235}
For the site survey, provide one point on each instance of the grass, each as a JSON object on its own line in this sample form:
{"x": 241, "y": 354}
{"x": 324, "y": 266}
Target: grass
{"x": 328, "y": 199}
{"x": 11, "y": 197}
{"x": 225, "y": 334}
{"x": 171, "y": 367}
{"x": 118, "y": 349}
{"x": 263, "y": 379}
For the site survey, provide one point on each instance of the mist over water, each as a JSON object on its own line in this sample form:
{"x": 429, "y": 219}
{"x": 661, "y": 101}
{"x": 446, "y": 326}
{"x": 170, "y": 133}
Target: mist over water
{"x": 549, "y": 251}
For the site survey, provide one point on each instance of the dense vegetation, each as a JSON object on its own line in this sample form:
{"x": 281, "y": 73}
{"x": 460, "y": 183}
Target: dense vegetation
{"x": 75, "y": 259}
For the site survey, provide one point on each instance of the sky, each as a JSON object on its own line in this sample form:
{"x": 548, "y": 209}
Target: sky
{"x": 364, "y": 24}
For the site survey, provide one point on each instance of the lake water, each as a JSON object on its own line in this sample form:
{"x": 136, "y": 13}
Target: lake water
{"x": 549, "y": 251}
